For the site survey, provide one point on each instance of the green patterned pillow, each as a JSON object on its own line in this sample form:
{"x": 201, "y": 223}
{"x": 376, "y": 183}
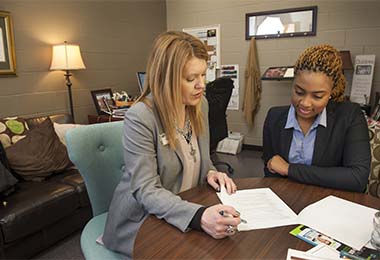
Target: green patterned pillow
{"x": 374, "y": 139}
{"x": 12, "y": 129}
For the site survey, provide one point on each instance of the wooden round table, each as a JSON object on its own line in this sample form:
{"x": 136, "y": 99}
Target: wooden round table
{"x": 158, "y": 239}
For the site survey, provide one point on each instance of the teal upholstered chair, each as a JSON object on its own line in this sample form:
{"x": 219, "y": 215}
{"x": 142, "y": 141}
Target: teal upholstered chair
{"x": 96, "y": 150}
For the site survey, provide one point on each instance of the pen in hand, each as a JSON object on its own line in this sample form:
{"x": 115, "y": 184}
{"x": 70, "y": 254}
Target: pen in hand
{"x": 225, "y": 214}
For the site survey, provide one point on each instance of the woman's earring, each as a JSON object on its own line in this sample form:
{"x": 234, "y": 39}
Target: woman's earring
{"x": 329, "y": 97}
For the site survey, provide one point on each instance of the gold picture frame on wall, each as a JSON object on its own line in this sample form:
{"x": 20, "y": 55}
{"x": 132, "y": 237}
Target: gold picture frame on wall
{"x": 7, "y": 49}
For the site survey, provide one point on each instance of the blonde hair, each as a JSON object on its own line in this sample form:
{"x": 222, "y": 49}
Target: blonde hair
{"x": 325, "y": 59}
{"x": 171, "y": 51}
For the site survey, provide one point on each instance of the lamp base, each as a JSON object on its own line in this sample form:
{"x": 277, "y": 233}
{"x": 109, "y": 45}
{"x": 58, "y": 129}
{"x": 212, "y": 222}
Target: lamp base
{"x": 68, "y": 84}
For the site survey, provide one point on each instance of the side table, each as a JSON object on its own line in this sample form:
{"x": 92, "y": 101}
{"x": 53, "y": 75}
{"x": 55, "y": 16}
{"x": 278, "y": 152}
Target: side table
{"x": 95, "y": 119}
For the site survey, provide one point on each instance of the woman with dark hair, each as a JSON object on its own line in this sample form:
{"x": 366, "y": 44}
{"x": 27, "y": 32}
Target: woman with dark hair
{"x": 319, "y": 139}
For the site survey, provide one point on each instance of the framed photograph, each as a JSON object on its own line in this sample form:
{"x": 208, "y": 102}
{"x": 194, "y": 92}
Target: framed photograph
{"x": 103, "y": 101}
{"x": 7, "y": 50}
{"x": 279, "y": 73}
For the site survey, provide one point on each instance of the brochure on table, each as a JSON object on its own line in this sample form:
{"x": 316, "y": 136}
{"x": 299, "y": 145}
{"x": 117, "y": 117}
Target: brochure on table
{"x": 324, "y": 245}
{"x": 345, "y": 221}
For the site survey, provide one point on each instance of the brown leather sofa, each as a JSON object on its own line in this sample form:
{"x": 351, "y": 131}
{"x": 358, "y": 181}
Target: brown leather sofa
{"x": 38, "y": 214}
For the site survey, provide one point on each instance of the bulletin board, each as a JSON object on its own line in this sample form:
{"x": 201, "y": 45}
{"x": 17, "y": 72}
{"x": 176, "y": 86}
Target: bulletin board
{"x": 210, "y": 35}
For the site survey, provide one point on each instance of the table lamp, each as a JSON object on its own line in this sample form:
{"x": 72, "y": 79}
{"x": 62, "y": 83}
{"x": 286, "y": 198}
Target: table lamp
{"x": 67, "y": 57}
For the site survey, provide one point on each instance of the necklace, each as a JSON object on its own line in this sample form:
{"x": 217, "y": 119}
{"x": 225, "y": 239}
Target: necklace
{"x": 187, "y": 133}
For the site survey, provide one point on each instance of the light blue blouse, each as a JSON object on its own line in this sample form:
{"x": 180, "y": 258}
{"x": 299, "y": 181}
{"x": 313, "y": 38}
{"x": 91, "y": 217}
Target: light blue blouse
{"x": 302, "y": 147}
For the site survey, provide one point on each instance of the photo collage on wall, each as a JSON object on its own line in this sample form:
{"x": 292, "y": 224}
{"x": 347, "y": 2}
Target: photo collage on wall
{"x": 211, "y": 37}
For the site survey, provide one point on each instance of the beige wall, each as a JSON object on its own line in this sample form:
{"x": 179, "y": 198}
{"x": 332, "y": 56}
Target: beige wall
{"x": 352, "y": 25}
{"x": 115, "y": 38}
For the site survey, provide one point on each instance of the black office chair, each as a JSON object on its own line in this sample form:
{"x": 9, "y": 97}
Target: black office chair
{"x": 218, "y": 93}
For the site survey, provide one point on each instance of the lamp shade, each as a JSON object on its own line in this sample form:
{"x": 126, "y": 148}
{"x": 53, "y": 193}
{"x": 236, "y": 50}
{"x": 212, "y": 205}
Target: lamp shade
{"x": 66, "y": 57}
{"x": 346, "y": 60}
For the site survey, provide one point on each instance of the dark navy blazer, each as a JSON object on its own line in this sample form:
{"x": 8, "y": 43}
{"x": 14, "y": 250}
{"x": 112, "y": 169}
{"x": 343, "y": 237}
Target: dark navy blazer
{"x": 341, "y": 157}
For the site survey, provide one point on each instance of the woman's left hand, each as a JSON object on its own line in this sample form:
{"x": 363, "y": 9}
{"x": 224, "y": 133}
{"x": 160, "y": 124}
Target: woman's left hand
{"x": 219, "y": 179}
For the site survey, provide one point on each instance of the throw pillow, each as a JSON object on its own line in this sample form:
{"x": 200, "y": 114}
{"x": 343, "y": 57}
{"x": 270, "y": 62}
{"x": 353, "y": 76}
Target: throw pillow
{"x": 374, "y": 139}
{"x": 12, "y": 129}
{"x": 61, "y": 130}
{"x": 40, "y": 154}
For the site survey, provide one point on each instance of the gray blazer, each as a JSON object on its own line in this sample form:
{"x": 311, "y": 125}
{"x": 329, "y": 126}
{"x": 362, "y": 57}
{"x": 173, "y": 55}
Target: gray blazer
{"x": 151, "y": 181}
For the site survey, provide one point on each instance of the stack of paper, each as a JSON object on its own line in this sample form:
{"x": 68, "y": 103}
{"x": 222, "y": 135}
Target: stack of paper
{"x": 262, "y": 208}
{"x": 320, "y": 252}
{"x": 345, "y": 221}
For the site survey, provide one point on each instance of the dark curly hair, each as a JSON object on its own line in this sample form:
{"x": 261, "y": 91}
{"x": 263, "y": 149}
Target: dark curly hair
{"x": 325, "y": 59}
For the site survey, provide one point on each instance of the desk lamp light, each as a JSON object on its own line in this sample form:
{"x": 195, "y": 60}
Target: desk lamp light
{"x": 67, "y": 57}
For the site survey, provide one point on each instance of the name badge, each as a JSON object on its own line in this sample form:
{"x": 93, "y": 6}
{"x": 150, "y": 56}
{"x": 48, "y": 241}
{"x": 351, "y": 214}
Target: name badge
{"x": 163, "y": 139}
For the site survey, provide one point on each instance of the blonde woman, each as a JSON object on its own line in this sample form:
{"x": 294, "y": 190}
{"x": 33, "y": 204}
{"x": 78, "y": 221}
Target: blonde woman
{"x": 319, "y": 139}
{"x": 166, "y": 149}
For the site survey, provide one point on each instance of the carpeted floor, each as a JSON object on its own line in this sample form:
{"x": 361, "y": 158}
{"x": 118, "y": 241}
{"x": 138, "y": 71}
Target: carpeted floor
{"x": 246, "y": 164}
{"x": 68, "y": 249}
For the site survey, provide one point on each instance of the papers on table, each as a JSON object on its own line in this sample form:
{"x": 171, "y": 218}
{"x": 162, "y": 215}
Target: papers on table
{"x": 261, "y": 208}
{"x": 344, "y": 221}
{"x": 323, "y": 250}
{"x": 320, "y": 252}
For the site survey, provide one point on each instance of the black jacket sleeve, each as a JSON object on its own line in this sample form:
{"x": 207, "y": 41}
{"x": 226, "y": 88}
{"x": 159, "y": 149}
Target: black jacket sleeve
{"x": 267, "y": 144}
{"x": 272, "y": 138}
{"x": 352, "y": 168}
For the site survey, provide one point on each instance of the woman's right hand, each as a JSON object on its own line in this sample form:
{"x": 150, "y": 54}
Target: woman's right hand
{"x": 218, "y": 226}
{"x": 278, "y": 165}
